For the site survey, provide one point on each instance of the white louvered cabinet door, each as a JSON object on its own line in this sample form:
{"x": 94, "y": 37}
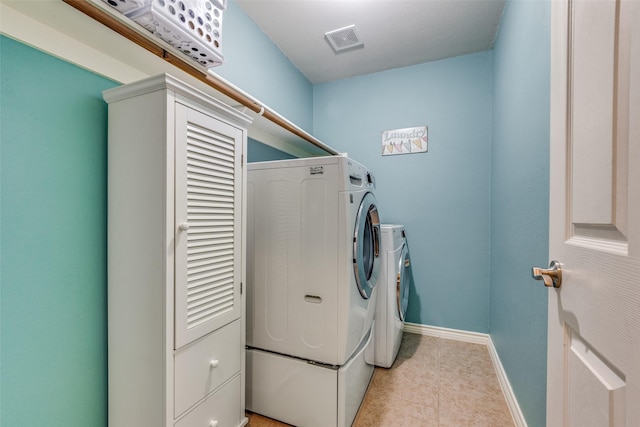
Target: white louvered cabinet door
{"x": 208, "y": 224}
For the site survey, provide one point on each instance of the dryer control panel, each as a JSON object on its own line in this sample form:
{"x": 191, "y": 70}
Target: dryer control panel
{"x": 371, "y": 180}
{"x": 359, "y": 176}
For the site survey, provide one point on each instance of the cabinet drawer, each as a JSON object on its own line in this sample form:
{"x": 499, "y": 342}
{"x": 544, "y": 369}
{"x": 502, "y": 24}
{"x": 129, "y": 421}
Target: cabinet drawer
{"x": 203, "y": 366}
{"x": 222, "y": 407}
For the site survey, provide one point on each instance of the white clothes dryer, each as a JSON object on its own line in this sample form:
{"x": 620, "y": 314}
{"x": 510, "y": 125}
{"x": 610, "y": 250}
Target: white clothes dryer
{"x": 313, "y": 261}
{"x": 393, "y": 296}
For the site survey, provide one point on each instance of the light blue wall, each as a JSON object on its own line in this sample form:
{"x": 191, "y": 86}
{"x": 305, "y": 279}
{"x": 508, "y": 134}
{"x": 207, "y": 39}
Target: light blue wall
{"x": 258, "y": 152}
{"x": 443, "y": 196}
{"x": 520, "y": 194}
{"x": 257, "y": 66}
{"x": 53, "y": 277}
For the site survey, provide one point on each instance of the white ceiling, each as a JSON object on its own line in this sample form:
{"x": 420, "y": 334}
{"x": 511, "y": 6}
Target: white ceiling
{"x": 396, "y": 33}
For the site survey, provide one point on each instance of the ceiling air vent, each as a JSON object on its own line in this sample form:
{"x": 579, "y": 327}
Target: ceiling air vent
{"x": 343, "y": 39}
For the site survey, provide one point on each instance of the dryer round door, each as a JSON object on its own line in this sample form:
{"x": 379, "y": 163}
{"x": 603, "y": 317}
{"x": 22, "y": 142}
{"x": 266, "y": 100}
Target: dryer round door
{"x": 403, "y": 280}
{"x": 366, "y": 246}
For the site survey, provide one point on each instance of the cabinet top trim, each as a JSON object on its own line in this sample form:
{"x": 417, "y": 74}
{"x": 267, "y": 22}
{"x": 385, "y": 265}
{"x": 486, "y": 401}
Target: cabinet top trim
{"x": 168, "y": 82}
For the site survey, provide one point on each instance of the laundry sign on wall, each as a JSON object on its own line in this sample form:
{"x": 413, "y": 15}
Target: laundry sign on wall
{"x": 404, "y": 141}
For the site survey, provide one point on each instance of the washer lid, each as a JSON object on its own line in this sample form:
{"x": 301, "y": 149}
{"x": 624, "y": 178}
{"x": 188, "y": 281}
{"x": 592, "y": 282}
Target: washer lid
{"x": 366, "y": 246}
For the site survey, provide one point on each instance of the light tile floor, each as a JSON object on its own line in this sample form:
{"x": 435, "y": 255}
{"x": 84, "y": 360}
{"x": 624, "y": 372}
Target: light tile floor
{"x": 433, "y": 382}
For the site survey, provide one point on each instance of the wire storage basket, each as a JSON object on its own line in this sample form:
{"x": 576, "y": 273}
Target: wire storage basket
{"x": 124, "y": 6}
{"x": 192, "y": 26}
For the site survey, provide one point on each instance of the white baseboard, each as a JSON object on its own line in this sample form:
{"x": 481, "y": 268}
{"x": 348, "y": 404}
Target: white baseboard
{"x": 505, "y": 385}
{"x": 476, "y": 338}
{"x": 446, "y": 333}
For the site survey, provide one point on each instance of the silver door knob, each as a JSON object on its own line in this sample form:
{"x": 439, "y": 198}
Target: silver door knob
{"x": 551, "y": 276}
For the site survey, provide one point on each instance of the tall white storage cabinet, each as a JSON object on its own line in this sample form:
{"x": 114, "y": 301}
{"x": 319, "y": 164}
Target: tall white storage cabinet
{"x": 176, "y": 257}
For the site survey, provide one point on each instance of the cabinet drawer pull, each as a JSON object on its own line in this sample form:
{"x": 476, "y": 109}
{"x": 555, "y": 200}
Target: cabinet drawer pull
{"x": 214, "y": 364}
{"x": 213, "y": 423}
{"x": 184, "y": 226}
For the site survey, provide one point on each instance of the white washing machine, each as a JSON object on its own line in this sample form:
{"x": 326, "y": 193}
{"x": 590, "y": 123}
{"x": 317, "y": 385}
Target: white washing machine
{"x": 313, "y": 260}
{"x": 393, "y": 293}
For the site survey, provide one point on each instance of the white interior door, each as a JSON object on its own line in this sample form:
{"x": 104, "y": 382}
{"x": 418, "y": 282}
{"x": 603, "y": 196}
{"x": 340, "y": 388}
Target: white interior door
{"x": 594, "y": 317}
